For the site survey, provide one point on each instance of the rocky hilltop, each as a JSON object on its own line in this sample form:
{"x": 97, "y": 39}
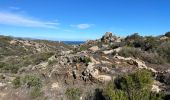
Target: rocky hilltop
{"x": 110, "y": 68}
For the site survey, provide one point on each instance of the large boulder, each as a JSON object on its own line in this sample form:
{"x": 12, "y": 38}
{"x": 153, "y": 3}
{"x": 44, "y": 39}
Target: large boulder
{"x": 91, "y": 73}
{"x": 108, "y": 52}
{"x": 163, "y": 77}
{"x": 94, "y": 48}
{"x": 109, "y": 38}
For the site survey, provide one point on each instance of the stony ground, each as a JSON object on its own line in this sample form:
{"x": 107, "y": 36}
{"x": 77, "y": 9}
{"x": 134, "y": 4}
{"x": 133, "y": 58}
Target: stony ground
{"x": 45, "y": 70}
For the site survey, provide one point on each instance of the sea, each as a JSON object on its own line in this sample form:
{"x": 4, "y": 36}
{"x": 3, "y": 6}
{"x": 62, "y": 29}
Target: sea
{"x": 73, "y": 42}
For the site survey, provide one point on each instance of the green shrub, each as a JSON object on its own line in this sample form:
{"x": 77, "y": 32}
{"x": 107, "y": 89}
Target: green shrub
{"x": 164, "y": 50}
{"x": 113, "y": 66}
{"x": 14, "y": 64}
{"x": 167, "y": 34}
{"x": 17, "y": 82}
{"x": 111, "y": 93}
{"x": 38, "y": 58}
{"x": 87, "y": 60}
{"x": 153, "y": 58}
{"x": 150, "y": 57}
{"x": 36, "y": 92}
{"x": 130, "y": 52}
{"x": 2, "y": 64}
{"x": 32, "y": 81}
{"x": 73, "y": 93}
{"x": 134, "y": 36}
{"x": 134, "y": 86}
{"x": 150, "y": 43}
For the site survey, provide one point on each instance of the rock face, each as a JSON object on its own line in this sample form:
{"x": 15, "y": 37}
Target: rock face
{"x": 109, "y": 38}
{"x": 137, "y": 62}
{"x": 163, "y": 77}
{"x": 91, "y": 73}
{"x": 155, "y": 88}
{"x": 108, "y": 52}
{"x": 94, "y": 48}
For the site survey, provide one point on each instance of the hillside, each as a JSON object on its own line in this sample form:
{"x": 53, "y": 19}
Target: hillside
{"x": 110, "y": 68}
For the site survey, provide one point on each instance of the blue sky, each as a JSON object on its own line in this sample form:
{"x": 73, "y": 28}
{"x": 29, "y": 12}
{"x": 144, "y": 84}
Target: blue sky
{"x": 83, "y": 19}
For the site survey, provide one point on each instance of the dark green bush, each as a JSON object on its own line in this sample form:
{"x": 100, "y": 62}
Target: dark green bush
{"x": 150, "y": 43}
{"x": 87, "y": 60}
{"x": 31, "y": 81}
{"x": 36, "y": 92}
{"x": 153, "y": 58}
{"x": 14, "y": 64}
{"x": 167, "y": 34}
{"x": 17, "y": 82}
{"x": 135, "y": 86}
{"x": 164, "y": 50}
{"x": 150, "y": 57}
{"x": 134, "y": 37}
{"x": 130, "y": 52}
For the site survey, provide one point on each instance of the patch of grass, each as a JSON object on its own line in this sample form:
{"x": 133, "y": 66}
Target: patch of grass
{"x": 87, "y": 60}
{"x": 29, "y": 81}
{"x": 150, "y": 57}
{"x": 17, "y": 82}
{"x": 130, "y": 52}
{"x": 32, "y": 82}
{"x": 113, "y": 66}
{"x": 36, "y": 92}
{"x": 164, "y": 50}
{"x": 14, "y": 64}
{"x": 73, "y": 93}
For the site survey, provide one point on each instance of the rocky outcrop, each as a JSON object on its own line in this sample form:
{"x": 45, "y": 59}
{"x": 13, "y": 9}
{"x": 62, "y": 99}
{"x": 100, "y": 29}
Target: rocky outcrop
{"x": 108, "y": 52}
{"x": 92, "y": 73}
{"x": 137, "y": 62}
{"x": 94, "y": 48}
{"x": 164, "y": 77}
{"x": 109, "y": 38}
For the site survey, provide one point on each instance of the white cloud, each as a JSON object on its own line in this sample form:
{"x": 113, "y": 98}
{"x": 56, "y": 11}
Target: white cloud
{"x": 9, "y": 18}
{"x": 82, "y": 26}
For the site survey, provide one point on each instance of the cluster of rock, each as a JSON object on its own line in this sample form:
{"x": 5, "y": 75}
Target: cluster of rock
{"x": 92, "y": 73}
{"x": 109, "y": 38}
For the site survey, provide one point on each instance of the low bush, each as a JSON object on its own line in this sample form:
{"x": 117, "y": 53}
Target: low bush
{"x": 167, "y": 34}
{"x": 14, "y": 64}
{"x": 73, "y": 93}
{"x": 130, "y": 52}
{"x": 31, "y": 82}
{"x": 135, "y": 86}
{"x": 164, "y": 50}
{"x": 17, "y": 82}
{"x": 150, "y": 57}
{"x": 36, "y": 92}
